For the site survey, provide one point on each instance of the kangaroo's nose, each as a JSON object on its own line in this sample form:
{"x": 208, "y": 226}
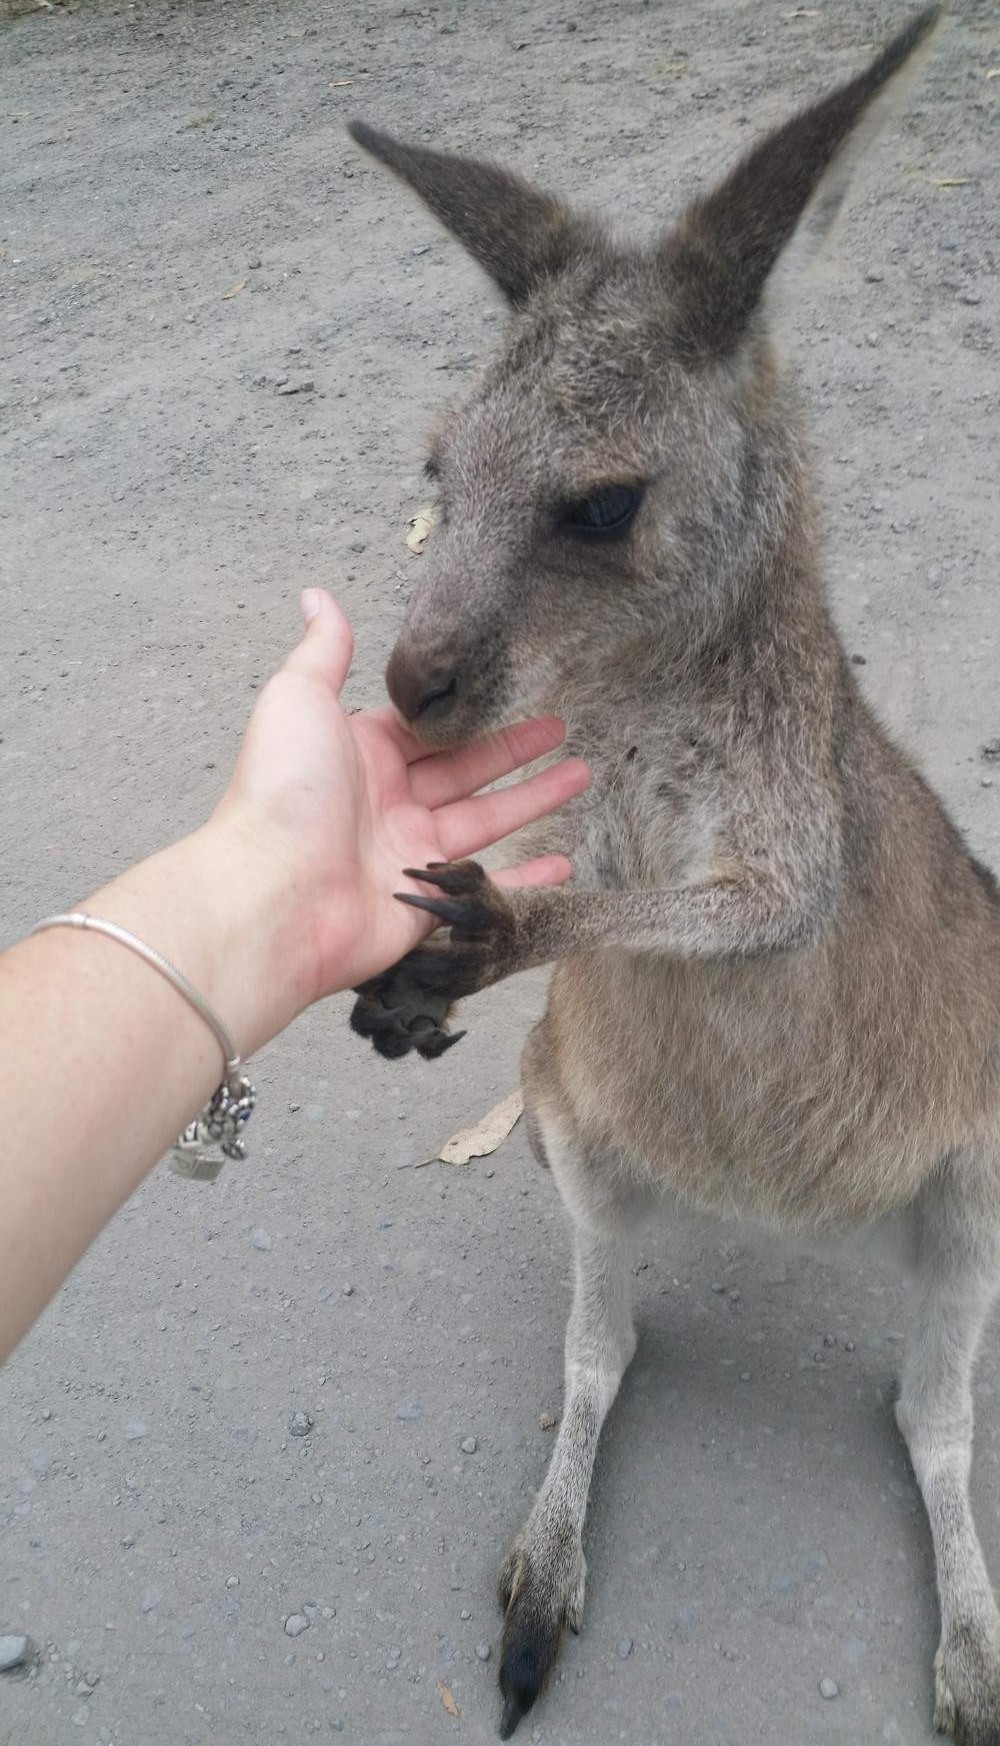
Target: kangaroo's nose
{"x": 420, "y": 693}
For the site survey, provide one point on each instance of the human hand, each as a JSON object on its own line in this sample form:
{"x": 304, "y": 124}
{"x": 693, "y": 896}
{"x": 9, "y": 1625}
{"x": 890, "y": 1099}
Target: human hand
{"x": 338, "y": 805}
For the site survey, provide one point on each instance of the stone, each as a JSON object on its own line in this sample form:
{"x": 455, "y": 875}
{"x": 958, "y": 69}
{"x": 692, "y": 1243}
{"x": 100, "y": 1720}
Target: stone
{"x": 828, "y": 1688}
{"x": 483, "y": 1651}
{"x": 232, "y": 1582}
{"x": 297, "y": 384}
{"x": 300, "y": 1424}
{"x": 410, "y": 1409}
{"x": 625, "y": 1647}
{"x": 15, "y": 1650}
{"x": 261, "y": 1240}
{"x": 151, "y": 1599}
{"x": 135, "y": 1430}
{"x": 468, "y": 1445}
{"x": 295, "y": 1624}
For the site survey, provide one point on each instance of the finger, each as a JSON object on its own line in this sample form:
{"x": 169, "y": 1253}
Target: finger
{"x": 469, "y": 825}
{"x": 543, "y": 870}
{"x": 326, "y": 649}
{"x": 450, "y": 775}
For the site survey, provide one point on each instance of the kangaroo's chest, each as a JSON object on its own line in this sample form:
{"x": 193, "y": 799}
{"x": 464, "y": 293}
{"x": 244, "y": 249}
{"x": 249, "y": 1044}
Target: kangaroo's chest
{"x": 652, "y": 817}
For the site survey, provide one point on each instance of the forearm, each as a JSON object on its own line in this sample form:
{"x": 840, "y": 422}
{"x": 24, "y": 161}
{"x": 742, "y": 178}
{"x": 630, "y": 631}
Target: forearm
{"x": 104, "y": 1061}
{"x": 736, "y": 917}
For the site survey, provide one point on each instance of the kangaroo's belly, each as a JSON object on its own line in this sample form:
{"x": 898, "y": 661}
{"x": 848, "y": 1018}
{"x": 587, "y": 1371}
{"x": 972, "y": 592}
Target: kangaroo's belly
{"x": 774, "y": 1090}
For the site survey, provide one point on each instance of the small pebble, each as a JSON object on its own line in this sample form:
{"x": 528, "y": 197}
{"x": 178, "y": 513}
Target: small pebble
{"x": 151, "y": 1599}
{"x": 874, "y": 276}
{"x": 135, "y": 1430}
{"x": 253, "y": 262}
{"x": 348, "y": 1290}
{"x": 300, "y": 1424}
{"x": 232, "y": 1582}
{"x": 15, "y": 1650}
{"x": 297, "y": 385}
{"x": 483, "y": 1651}
{"x": 828, "y": 1688}
{"x": 744, "y": 1376}
{"x": 625, "y": 1647}
{"x": 547, "y": 1421}
{"x": 295, "y": 1624}
{"x": 80, "y": 1717}
{"x": 465, "y": 1613}
{"x": 410, "y": 1409}
{"x": 468, "y": 1445}
{"x": 260, "y": 1239}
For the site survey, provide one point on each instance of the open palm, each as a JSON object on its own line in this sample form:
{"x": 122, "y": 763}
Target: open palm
{"x": 348, "y": 801}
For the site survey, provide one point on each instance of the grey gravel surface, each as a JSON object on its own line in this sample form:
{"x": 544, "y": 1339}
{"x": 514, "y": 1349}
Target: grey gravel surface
{"x": 755, "y": 1534}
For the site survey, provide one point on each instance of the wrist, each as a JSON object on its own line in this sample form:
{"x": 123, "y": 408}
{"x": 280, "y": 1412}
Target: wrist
{"x": 226, "y": 908}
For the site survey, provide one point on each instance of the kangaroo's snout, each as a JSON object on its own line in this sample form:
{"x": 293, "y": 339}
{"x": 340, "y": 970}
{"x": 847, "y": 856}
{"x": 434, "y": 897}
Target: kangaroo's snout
{"x": 423, "y": 691}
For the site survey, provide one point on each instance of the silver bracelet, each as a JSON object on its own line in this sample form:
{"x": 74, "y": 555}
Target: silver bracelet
{"x": 201, "y": 1150}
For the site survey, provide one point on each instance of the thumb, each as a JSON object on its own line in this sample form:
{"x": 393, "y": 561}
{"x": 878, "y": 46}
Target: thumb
{"x": 326, "y": 650}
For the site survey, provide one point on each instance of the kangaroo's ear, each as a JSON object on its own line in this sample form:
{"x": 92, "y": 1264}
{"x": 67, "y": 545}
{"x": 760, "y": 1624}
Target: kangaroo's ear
{"x": 517, "y": 234}
{"x": 780, "y": 202}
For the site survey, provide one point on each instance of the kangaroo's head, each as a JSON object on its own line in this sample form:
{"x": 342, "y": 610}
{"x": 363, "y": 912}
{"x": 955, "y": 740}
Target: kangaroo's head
{"x": 625, "y": 470}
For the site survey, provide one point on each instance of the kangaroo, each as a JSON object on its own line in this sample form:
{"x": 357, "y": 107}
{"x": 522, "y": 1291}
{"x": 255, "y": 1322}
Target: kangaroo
{"x": 776, "y": 993}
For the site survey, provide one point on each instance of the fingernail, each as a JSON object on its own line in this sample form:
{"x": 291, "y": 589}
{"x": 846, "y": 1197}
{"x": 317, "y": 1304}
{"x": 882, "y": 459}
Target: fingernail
{"x": 309, "y": 604}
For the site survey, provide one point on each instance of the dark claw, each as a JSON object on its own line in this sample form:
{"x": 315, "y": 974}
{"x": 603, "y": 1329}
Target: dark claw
{"x": 529, "y": 1651}
{"x": 446, "y": 877}
{"x": 438, "y": 1044}
{"x": 440, "y": 906}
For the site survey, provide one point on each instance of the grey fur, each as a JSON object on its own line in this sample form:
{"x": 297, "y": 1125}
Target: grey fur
{"x": 777, "y": 985}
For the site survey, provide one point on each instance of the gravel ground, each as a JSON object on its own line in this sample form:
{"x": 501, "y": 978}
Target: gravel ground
{"x": 258, "y": 1461}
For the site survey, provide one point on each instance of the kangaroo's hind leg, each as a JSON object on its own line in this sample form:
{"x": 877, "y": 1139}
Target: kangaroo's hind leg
{"x": 541, "y": 1582}
{"x": 957, "y": 1280}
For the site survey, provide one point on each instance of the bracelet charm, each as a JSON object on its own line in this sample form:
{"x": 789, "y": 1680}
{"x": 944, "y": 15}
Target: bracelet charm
{"x": 215, "y": 1135}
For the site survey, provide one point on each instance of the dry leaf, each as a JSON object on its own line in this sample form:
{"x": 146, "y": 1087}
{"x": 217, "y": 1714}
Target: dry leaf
{"x": 234, "y": 290}
{"x": 419, "y": 526}
{"x": 486, "y": 1135}
{"x": 949, "y": 181}
{"x": 338, "y": 84}
{"x": 447, "y": 1701}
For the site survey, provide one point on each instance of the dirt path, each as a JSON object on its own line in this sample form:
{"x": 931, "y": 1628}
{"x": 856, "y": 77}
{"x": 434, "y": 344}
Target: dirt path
{"x": 160, "y": 504}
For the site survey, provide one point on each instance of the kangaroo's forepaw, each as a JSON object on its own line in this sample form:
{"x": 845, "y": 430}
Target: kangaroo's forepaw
{"x": 967, "y": 1685}
{"x": 407, "y": 1007}
{"x": 541, "y": 1592}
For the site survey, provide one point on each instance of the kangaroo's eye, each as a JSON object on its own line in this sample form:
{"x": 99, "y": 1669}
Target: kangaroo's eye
{"x": 607, "y": 511}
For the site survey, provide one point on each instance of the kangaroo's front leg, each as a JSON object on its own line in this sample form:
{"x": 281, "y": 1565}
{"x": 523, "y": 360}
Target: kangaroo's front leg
{"x": 745, "y": 910}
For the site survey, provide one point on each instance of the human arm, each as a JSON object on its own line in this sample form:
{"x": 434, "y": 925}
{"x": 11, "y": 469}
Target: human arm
{"x": 282, "y": 897}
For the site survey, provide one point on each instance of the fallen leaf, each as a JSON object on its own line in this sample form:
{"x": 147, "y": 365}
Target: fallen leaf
{"x": 447, "y": 1701}
{"x": 419, "y": 527}
{"x": 486, "y": 1135}
{"x": 949, "y": 181}
{"x": 338, "y": 84}
{"x": 234, "y": 290}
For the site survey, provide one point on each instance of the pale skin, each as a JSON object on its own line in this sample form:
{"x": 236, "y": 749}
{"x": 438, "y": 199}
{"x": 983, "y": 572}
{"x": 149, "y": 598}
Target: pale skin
{"x": 284, "y": 896}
